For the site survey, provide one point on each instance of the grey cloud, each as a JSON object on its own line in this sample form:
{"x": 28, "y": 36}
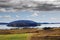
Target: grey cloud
{"x": 17, "y": 5}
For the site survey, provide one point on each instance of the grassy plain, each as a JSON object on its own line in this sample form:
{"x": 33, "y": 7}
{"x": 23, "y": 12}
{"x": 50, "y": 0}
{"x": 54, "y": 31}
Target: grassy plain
{"x": 30, "y": 34}
{"x": 14, "y": 37}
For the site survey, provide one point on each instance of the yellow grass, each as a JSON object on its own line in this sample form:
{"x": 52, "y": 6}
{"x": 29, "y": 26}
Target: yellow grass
{"x": 14, "y": 37}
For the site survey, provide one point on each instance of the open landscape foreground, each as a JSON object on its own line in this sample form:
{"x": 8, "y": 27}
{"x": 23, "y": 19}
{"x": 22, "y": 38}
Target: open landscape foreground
{"x": 14, "y": 37}
{"x": 30, "y": 34}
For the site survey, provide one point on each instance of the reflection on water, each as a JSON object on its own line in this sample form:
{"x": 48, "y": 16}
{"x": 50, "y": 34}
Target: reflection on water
{"x": 49, "y": 25}
{"x": 43, "y": 25}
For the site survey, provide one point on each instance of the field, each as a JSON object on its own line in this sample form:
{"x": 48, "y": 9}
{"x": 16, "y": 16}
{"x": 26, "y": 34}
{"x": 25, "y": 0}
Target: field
{"x": 14, "y": 37}
{"x": 49, "y": 34}
{"x": 30, "y": 34}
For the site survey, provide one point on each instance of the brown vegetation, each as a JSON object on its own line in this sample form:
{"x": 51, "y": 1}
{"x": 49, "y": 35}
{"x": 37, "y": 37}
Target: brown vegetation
{"x": 36, "y": 34}
{"x": 46, "y": 38}
{"x": 50, "y": 34}
{"x": 18, "y": 31}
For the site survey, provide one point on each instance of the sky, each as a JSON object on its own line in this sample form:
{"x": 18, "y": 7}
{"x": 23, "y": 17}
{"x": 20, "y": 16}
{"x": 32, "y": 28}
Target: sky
{"x": 9, "y": 14}
{"x": 14, "y": 5}
{"x": 42, "y": 16}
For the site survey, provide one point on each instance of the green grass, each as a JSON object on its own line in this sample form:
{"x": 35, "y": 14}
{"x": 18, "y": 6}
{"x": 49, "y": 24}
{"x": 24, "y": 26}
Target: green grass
{"x": 14, "y": 37}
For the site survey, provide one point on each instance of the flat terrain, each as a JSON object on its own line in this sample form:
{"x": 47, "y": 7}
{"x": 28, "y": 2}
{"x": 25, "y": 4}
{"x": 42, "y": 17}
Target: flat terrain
{"x": 30, "y": 34}
{"x": 14, "y": 37}
{"x": 49, "y": 34}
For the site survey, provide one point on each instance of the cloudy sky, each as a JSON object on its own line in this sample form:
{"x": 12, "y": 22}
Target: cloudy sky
{"x": 9, "y": 14}
{"x": 42, "y": 16}
{"x": 16, "y": 5}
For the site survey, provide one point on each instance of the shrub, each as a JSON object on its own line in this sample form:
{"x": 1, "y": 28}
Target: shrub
{"x": 47, "y": 28}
